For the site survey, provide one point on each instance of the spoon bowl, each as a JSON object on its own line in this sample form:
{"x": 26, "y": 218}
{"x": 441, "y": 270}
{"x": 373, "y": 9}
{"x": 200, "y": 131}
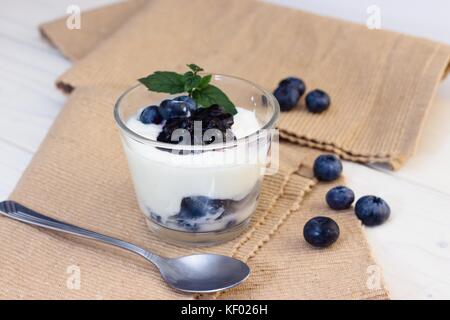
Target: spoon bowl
{"x": 203, "y": 273}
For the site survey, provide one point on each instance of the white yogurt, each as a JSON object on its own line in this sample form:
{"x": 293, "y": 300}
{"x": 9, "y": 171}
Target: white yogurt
{"x": 162, "y": 179}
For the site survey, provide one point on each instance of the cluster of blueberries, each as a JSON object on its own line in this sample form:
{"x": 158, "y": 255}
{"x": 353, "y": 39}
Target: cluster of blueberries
{"x": 181, "y": 113}
{"x": 371, "y": 210}
{"x": 180, "y": 106}
{"x": 291, "y": 89}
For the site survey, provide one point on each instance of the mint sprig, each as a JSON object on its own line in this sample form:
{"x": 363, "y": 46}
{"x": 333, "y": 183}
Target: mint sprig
{"x": 164, "y": 81}
{"x": 195, "y": 68}
{"x": 196, "y": 86}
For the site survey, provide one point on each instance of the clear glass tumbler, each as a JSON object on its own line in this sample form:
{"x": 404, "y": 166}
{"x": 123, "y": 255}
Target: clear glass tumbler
{"x": 199, "y": 194}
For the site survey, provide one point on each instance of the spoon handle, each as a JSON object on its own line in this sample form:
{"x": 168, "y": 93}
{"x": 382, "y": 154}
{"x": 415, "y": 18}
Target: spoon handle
{"x": 18, "y": 212}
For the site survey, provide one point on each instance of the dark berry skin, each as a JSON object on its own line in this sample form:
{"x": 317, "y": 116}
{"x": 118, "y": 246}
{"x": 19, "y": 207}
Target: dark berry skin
{"x": 214, "y": 118}
{"x": 167, "y": 133}
{"x": 321, "y": 232}
{"x": 287, "y": 97}
{"x": 327, "y": 167}
{"x": 340, "y": 198}
{"x": 295, "y": 82}
{"x": 317, "y": 101}
{"x": 171, "y": 109}
{"x": 151, "y": 115}
{"x": 187, "y": 101}
{"x": 193, "y": 208}
{"x": 197, "y": 210}
{"x": 372, "y": 211}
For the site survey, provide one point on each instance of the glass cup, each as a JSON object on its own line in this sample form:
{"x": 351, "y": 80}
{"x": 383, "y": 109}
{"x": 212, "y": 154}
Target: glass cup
{"x": 199, "y": 194}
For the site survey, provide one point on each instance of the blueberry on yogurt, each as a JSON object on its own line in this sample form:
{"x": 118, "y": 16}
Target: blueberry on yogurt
{"x": 186, "y": 101}
{"x": 340, "y": 198}
{"x": 213, "y": 118}
{"x": 170, "y": 109}
{"x": 327, "y": 167}
{"x": 372, "y": 211}
{"x": 150, "y": 115}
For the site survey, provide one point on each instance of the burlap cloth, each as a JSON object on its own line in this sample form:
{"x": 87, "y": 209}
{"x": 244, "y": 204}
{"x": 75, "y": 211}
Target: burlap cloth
{"x": 381, "y": 84}
{"x": 80, "y": 175}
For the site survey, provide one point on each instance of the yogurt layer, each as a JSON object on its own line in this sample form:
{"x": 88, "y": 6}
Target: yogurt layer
{"x": 162, "y": 179}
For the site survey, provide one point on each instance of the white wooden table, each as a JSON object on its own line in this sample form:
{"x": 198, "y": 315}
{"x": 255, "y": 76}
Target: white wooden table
{"x": 413, "y": 248}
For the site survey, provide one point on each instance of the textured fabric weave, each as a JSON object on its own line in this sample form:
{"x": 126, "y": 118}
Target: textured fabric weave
{"x": 80, "y": 175}
{"x": 381, "y": 83}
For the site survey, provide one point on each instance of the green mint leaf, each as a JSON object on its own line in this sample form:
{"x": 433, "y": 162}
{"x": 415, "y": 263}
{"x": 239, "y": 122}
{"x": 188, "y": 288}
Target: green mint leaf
{"x": 204, "y": 81}
{"x": 191, "y": 81}
{"x": 195, "y": 68}
{"x": 164, "y": 81}
{"x": 199, "y": 88}
{"x": 210, "y": 95}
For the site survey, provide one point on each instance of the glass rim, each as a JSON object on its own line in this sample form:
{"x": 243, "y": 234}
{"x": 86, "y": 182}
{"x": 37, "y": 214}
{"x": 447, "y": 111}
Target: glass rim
{"x": 164, "y": 145}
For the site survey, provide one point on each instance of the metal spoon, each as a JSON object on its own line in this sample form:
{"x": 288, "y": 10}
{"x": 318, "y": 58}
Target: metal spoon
{"x": 198, "y": 273}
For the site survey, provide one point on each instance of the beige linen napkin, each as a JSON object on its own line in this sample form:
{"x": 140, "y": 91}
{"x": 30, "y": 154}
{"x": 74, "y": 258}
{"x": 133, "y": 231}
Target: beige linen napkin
{"x": 381, "y": 83}
{"x": 68, "y": 179}
{"x": 80, "y": 175}
{"x": 96, "y": 25}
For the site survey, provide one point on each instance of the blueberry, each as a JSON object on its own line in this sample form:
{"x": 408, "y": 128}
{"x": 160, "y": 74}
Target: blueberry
{"x": 340, "y": 198}
{"x": 295, "y": 82}
{"x": 287, "y": 96}
{"x": 198, "y": 210}
{"x": 317, "y": 101}
{"x": 327, "y": 167}
{"x": 187, "y": 101}
{"x": 150, "y": 115}
{"x": 167, "y": 133}
{"x": 372, "y": 211}
{"x": 213, "y": 117}
{"x": 321, "y": 232}
{"x": 171, "y": 109}
{"x": 198, "y": 207}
